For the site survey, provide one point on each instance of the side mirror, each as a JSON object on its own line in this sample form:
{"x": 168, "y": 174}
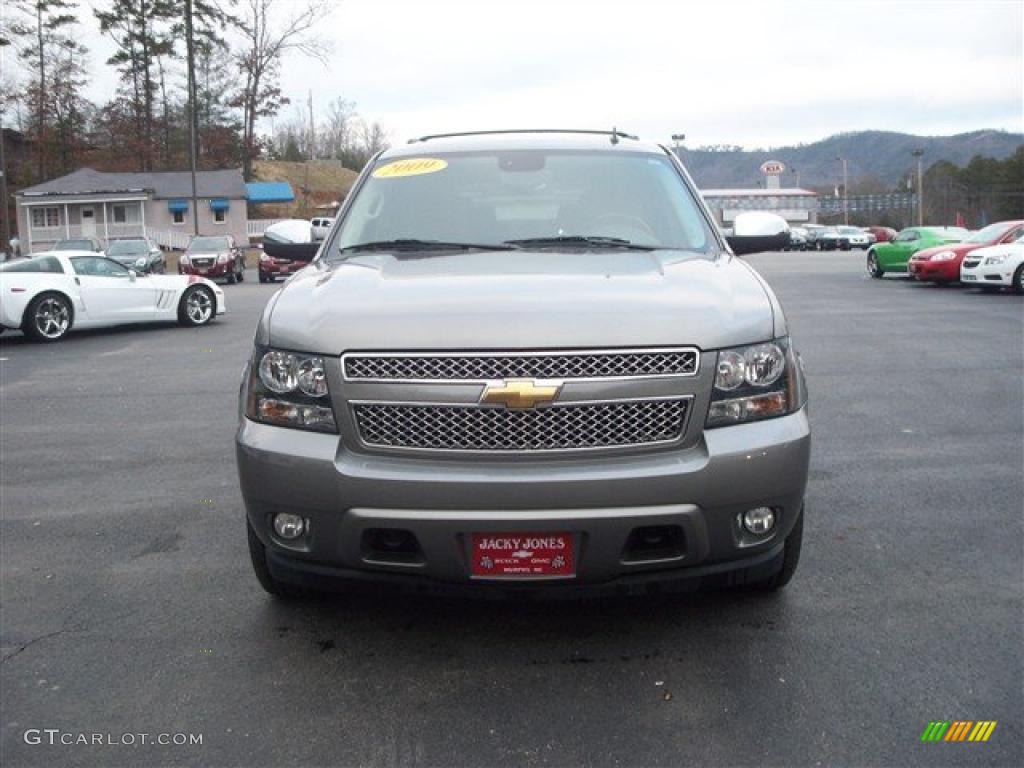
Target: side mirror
{"x": 291, "y": 251}
{"x": 290, "y": 239}
{"x": 758, "y": 231}
{"x": 132, "y": 274}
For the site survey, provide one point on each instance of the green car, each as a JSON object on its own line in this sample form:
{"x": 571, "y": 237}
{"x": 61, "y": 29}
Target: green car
{"x": 894, "y": 255}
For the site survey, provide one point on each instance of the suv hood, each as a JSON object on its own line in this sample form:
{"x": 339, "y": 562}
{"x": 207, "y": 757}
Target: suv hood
{"x": 521, "y": 300}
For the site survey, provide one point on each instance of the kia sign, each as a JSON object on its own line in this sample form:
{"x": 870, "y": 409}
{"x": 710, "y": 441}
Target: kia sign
{"x": 773, "y": 168}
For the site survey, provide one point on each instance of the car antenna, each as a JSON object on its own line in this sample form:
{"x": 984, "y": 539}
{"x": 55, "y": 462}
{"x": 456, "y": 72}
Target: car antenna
{"x": 615, "y": 135}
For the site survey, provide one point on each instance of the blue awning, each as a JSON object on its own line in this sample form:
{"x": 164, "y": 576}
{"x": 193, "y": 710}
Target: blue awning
{"x": 219, "y": 204}
{"x": 177, "y": 205}
{"x": 269, "y": 192}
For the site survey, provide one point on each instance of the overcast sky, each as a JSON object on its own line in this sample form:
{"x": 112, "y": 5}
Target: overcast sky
{"x": 755, "y": 74}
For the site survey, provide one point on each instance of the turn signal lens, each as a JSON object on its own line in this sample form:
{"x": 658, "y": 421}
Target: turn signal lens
{"x": 285, "y": 414}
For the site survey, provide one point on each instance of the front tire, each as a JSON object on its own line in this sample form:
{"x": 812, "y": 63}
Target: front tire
{"x": 241, "y": 274}
{"x": 47, "y": 318}
{"x": 198, "y": 306}
{"x": 275, "y": 587}
{"x": 872, "y": 265}
{"x": 1018, "y": 280}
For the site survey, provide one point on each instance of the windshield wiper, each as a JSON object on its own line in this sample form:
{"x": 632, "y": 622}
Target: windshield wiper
{"x": 598, "y": 241}
{"x": 412, "y": 244}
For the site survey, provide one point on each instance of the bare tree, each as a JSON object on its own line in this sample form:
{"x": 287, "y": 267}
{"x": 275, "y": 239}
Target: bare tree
{"x": 266, "y": 42}
{"x": 338, "y": 134}
{"x": 40, "y": 29}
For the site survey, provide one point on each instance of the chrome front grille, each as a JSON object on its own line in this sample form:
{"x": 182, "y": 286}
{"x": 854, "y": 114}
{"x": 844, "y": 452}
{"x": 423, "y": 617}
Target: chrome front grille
{"x": 202, "y": 262}
{"x": 558, "y": 427}
{"x": 534, "y": 365}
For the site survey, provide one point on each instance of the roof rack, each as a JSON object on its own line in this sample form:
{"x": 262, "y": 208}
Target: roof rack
{"x": 614, "y": 133}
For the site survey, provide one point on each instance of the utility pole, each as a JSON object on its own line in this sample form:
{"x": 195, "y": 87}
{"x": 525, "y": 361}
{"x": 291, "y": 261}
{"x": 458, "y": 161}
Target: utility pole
{"x": 846, "y": 194}
{"x": 312, "y": 143}
{"x": 192, "y": 116}
{"x": 920, "y": 187}
{"x": 5, "y": 234}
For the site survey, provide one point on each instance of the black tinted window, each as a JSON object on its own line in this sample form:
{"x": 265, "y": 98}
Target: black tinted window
{"x": 42, "y": 264}
{"x": 128, "y": 248}
{"x": 98, "y": 267}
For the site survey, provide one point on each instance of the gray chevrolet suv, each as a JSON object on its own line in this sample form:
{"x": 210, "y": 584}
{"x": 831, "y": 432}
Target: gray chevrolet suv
{"x": 525, "y": 360}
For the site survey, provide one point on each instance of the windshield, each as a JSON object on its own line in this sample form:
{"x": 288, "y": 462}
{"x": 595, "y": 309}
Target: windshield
{"x": 991, "y": 233}
{"x": 74, "y": 245}
{"x": 208, "y": 245}
{"x": 851, "y": 231}
{"x": 534, "y": 198}
{"x": 128, "y": 248}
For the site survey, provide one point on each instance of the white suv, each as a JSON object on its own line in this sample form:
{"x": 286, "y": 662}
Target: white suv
{"x": 321, "y": 226}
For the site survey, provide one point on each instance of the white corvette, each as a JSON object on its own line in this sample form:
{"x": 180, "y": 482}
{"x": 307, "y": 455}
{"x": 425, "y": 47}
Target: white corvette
{"x": 51, "y": 293}
{"x": 995, "y": 267}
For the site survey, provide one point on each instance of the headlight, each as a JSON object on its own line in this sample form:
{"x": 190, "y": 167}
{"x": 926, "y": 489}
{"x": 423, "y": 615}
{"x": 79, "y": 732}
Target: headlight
{"x": 184, "y": 259}
{"x": 289, "y": 389}
{"x": 995, "y": 259}
{"x": 140, "y": 262}
{"x": 944, "y": 256}
{"x": 759, "y": 381}
{"x": 222, "y": 258}
{"x": 264, "y": 257}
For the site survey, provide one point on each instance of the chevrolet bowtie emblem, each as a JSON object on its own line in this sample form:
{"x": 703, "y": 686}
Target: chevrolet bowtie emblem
{"x": 521, "y": 393}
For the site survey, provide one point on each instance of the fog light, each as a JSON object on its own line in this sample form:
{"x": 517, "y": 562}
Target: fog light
{"x": 759, "y": 521}
{"x": 288, "y": 526}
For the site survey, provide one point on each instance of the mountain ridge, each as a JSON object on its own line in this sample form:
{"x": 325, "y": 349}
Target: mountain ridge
{"x": 878, "y": 158}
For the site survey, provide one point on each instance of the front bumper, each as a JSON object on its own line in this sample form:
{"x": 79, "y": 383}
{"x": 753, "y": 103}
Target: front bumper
{"x": 990, "y": 274}
{"x": 702, "y": 489}
{"x": 272, "y": 269}
{"x": 936, "y": 271}
{"x": 216, "y": 270}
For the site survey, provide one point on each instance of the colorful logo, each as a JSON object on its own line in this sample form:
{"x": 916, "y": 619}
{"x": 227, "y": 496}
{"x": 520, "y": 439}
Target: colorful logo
{"x": 958, "y": 730}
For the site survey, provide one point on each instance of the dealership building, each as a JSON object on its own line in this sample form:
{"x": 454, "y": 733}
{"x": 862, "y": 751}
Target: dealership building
{"x": 795, "y": 205}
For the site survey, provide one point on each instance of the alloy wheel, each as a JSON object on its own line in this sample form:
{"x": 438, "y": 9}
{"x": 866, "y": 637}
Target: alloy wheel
{"x": 199, "y": 306}
{"x": 52, "y": 318}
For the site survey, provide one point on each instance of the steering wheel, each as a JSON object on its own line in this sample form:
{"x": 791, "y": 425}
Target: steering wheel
{"x": 623, "y": 225}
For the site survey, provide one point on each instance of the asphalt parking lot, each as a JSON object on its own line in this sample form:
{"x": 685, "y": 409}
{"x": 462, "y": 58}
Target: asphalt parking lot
{"x": 129, "y": 606}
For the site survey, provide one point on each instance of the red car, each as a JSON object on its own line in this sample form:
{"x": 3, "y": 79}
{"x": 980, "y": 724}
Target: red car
{"x": 272, "y": 267}
{"x": 882, "y": 234}
{"x": 213, "y": 256}
{"x": 941, "y": 264}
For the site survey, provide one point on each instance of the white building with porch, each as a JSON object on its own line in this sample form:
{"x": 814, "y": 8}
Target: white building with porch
{"x": 110, "y": 205}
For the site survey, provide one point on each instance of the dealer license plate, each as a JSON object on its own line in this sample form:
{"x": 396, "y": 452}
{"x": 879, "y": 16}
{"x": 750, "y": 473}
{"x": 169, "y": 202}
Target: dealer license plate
{"x": 523, "y": 555}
